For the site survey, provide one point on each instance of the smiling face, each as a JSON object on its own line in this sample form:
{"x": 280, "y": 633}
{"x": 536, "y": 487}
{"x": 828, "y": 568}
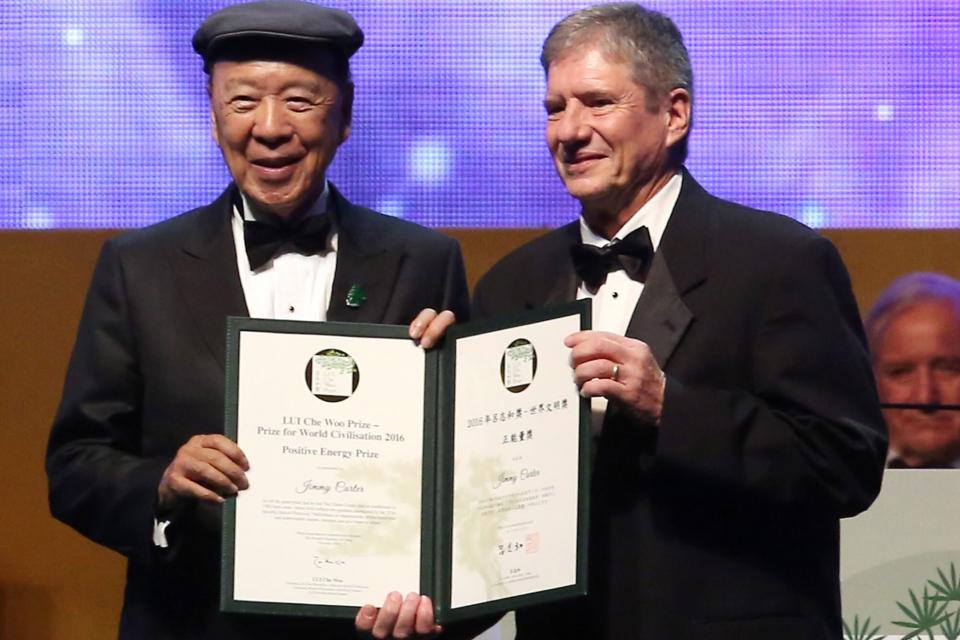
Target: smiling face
{"x": 608, "y": 139}
{"x": 278, "y": 125}
{"x": 918, "y": 361}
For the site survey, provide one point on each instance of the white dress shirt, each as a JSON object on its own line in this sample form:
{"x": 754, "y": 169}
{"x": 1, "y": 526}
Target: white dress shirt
{"x": 291, "y": 286}
{"x": 615, "y": 300}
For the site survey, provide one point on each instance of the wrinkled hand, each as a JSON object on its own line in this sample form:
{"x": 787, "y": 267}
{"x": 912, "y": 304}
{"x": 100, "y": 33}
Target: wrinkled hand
{"x": 399, "y": 617}
{"x": 207, "y": 467}
{"x": 620, "y": 369}
{"x": 429, "y": 326}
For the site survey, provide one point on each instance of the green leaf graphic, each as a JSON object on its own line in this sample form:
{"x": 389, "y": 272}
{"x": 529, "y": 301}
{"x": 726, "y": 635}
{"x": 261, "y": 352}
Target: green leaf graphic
{"x": 923, "y": 617}
{"x": 948, "y": 589}
{"x": 951, "y": 626}
{"x": 858, "y": 632}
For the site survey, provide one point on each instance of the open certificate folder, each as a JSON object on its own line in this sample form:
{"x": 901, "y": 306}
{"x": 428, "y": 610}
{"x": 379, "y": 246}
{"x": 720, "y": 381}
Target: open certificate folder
{"x": 375, "y": 466}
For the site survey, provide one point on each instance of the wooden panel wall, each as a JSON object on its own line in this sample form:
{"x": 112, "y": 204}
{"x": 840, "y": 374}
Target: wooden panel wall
{"x": 55, "y": 584}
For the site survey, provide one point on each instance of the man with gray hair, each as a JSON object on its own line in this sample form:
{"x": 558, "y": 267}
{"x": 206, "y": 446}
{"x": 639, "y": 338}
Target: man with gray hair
{"x": 736, "y": 416}
{"x": 914, "y": 334}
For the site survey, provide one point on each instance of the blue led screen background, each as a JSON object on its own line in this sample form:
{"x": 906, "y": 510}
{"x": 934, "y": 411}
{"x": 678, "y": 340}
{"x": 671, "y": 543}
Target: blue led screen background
{"x": 840, "y": 114}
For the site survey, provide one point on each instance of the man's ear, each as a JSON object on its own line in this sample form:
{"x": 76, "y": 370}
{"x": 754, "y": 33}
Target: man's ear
{"x": 679, "y": 112}
{"x": 347, "y": 106}
{"x": 214, "y": 129}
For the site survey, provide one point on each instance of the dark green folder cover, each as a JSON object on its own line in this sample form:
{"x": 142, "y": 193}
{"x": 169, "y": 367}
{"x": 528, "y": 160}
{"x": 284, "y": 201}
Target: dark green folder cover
{"x": 437, "y": 478}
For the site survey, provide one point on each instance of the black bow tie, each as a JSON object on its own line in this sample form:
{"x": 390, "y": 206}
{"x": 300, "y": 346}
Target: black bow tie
{"x": 632, "y": 254}
{"x": 264, "y": 240}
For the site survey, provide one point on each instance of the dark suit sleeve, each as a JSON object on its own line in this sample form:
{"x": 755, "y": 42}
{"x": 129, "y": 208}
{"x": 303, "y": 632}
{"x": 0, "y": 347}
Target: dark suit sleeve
{"x": 479, "y": 306}
{"x": 456, "y": 295}
{"x": 807, "y": 432}
{"x": 98, "y": 483}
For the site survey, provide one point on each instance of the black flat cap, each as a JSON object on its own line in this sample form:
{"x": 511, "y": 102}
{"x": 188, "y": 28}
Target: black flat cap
{"x": 289, "y": 22}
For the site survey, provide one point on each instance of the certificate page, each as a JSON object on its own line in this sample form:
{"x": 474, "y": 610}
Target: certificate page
{"x": 516, "y": 462}
{"x": 333, "y": 428}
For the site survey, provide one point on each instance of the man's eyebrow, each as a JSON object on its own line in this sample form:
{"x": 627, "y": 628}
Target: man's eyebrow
{"x": 245, "y": 83}
{"x": 305, "y": 86}
{"x": 593, "y": 94}
{"x": 239, "y": 83}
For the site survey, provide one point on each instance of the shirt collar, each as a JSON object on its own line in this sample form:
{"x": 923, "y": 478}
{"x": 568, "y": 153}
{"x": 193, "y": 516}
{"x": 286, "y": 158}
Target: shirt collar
{"x": 654, "y": 214}
{"x": 318, "y": 207}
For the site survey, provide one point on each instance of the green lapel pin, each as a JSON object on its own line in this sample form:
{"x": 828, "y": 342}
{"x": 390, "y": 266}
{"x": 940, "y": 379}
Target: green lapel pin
{"x": 356, "y": 296}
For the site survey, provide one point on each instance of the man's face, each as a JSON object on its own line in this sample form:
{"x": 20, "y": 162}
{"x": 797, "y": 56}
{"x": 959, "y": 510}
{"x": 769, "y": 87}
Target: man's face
{"x": 278, "y": 125}
{"x": 606, "y": 141}
{"x": 918, "y": 360}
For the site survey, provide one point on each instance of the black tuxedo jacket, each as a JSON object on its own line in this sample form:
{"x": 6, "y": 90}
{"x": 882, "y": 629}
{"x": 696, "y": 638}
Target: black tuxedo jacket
{"x": 721, "y": 523}
{"x": 147, "y": 373}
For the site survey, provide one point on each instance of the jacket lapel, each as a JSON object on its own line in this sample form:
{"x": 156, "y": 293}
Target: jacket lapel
{"x": 661, "y": 316}
{"x": 556, "y": 281}
{"x": 206, "y": 272}
{"x": 365, "y": 262}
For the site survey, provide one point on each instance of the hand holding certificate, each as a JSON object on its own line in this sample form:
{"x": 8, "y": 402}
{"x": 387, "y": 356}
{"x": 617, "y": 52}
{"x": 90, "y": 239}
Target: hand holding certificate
{"x": 376, "y": 466}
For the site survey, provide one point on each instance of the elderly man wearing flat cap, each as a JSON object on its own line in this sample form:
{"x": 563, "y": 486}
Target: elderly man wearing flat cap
{"x": 137, "y": 461}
